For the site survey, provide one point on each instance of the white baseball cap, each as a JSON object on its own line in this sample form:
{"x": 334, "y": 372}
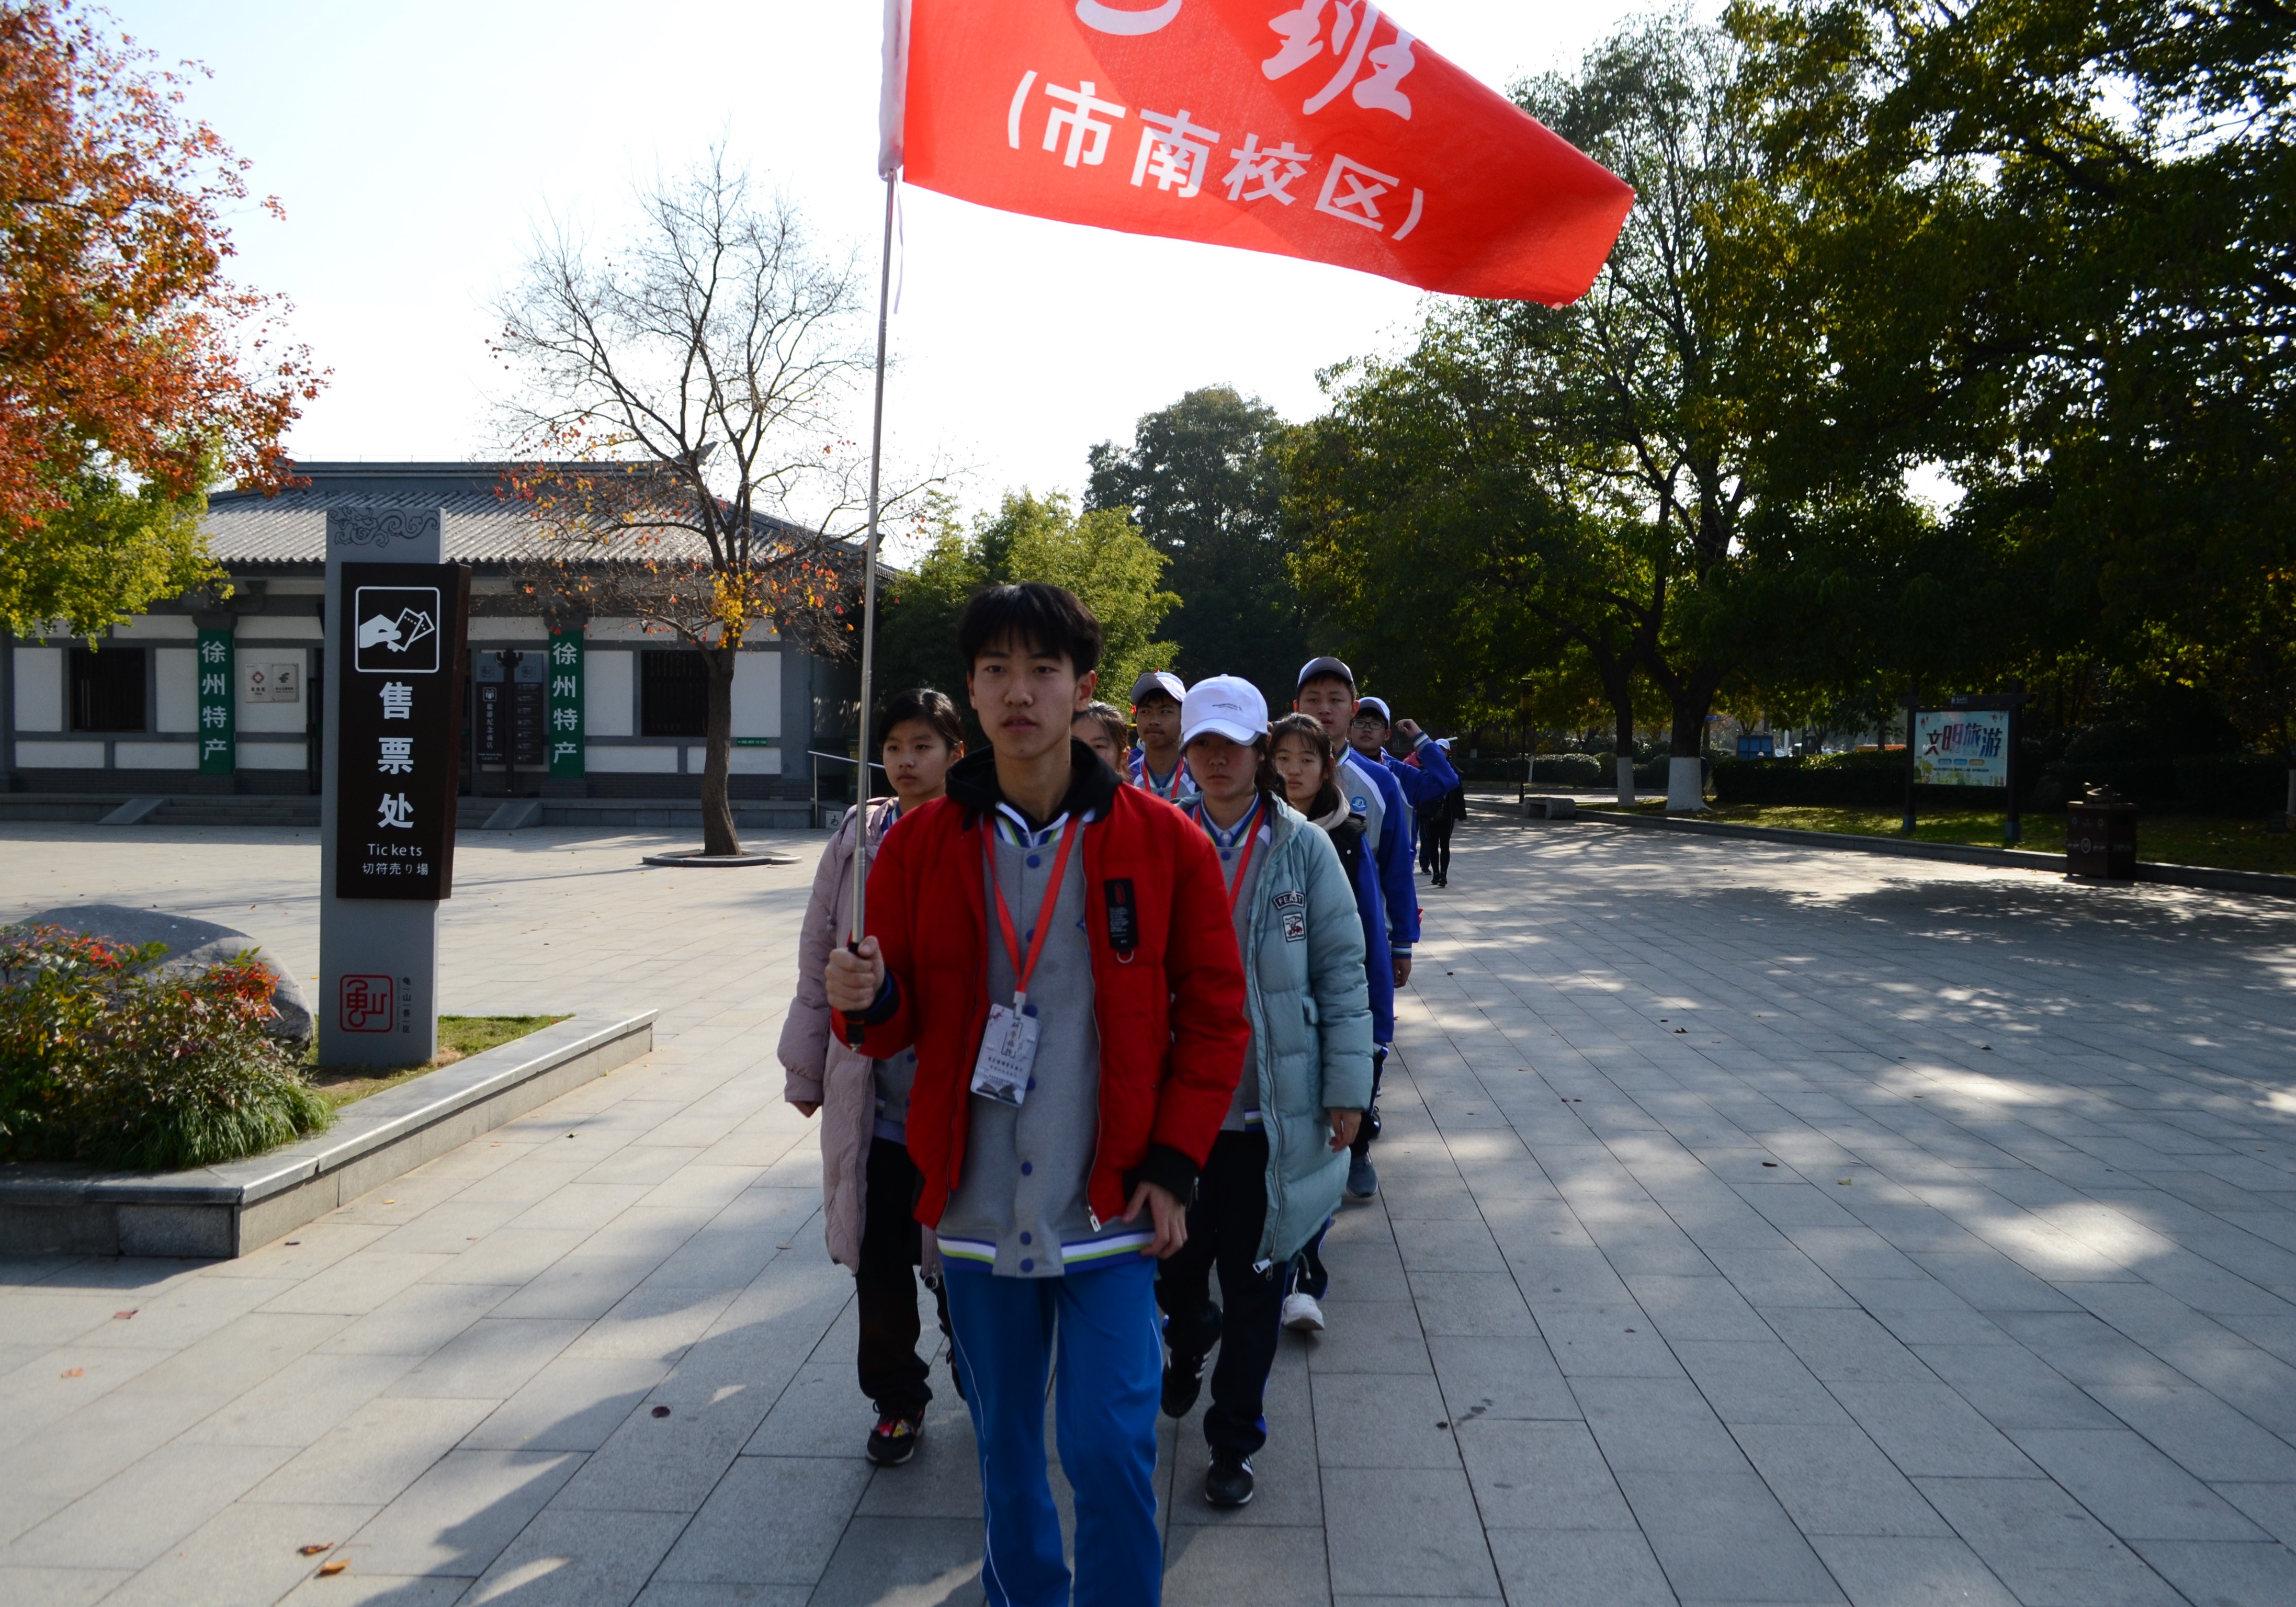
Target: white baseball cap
{"x": 1229, "y": 705}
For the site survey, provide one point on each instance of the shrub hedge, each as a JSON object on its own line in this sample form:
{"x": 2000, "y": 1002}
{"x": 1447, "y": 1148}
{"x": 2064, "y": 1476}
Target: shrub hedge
{"x": 2203, "y": 784}
{"x": 103, "y": 1062}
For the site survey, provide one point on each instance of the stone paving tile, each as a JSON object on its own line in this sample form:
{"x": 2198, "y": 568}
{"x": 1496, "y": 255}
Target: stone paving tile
{"x": 1882, "y": 1571}
{"x": 457, "y": 1518}
{"x": 2044, "y": 1546}
{"x": 59, "y": 1586}
{"x": 1402, "y": 1531}
{"x": 247, "y": 1552}
{"x": 149, "y": 1506}
{"x": 2041, "y": 1341}
{"x": 570, "y": 1559}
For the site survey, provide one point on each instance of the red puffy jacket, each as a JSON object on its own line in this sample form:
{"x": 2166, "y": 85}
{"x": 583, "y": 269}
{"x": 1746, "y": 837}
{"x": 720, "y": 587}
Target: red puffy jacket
{"x": 1168, "y": 982}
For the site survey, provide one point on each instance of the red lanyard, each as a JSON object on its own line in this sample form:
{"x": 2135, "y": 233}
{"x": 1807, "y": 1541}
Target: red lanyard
{"x": 1022, "y": 972}
{"x": 1250, "y": 842}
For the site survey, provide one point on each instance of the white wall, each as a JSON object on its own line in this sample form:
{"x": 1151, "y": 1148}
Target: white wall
{"x": 176, "y": 689}
{"x": 652, "y": 761}
{"x": 273, "y": 717}
{"x": 157, "y": 627}
{"x": 609, "y": 695}
{"x": 269, "y": 756}
{"x": 740, "y": 761}
{"x": 757, "y": 695}
{"x": 60, "y": 756}
{"x": 508, "y": 627}
{"x": 155, "y": 756}
{"x": 282, "y": 628}
{"x": 39, "y": 689}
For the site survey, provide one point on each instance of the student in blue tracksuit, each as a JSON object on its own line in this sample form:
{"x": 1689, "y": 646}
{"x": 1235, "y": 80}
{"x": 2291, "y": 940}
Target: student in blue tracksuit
{"x": 1427, "y": 781}
{"x": 1327, "y": 690}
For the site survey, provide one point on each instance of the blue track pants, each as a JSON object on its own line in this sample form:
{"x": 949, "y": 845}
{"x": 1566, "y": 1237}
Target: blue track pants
{"x": 1102, "y": 1328}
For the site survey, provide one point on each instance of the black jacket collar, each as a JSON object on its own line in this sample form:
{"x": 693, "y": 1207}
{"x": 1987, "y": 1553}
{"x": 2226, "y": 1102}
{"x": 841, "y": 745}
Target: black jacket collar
{"x": 1091, "y": 784}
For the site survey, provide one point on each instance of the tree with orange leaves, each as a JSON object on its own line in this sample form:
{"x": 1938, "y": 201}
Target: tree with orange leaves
{"x": 132, "y": 372}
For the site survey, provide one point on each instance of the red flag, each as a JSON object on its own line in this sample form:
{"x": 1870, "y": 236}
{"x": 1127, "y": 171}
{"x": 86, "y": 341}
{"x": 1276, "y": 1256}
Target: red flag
{"x": 1314, "y": 129}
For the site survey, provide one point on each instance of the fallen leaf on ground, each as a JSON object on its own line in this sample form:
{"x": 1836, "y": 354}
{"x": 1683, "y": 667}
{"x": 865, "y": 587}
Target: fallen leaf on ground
{"x": 661, "y": 1411}
{"x": 335, "y": 1567}
{"x": 121, "y": 1316}
{"x": 73, "y": 1373}
{"x": 314, "y": 1550}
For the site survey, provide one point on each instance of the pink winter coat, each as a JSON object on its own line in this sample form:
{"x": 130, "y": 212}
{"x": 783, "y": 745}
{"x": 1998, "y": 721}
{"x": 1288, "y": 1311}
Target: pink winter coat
{"x": 820, "y": 1070}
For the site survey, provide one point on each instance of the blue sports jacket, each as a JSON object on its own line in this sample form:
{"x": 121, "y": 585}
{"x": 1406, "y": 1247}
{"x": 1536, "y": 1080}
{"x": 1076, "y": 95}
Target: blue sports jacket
{"x": 1428, "y": 780}
{"x": 1370, "y": 791}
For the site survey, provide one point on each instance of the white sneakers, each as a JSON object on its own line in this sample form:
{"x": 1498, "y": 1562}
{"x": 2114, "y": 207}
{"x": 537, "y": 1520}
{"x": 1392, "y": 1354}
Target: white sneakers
{"x": 1301, "y": 1315}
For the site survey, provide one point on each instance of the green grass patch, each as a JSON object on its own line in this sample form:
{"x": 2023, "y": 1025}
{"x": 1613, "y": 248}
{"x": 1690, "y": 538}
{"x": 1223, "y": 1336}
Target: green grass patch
{"x": 459, "y": 1036}
{"x": 2216, "y": 842}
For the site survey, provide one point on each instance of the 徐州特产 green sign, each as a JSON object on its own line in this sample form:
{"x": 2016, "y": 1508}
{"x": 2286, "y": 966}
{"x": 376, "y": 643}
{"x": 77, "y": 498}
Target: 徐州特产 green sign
{"x": 563, "y": 715}
{"x": 217, "y": 728}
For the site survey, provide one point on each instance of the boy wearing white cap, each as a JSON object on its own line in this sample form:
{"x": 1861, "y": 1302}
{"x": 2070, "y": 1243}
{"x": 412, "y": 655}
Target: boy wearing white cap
{"x": 1155, "y": 765}
{"x": 1277, "y": 1169}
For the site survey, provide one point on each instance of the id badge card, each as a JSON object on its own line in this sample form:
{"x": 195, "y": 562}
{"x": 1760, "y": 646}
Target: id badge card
{"x": 1008, "y": 1054}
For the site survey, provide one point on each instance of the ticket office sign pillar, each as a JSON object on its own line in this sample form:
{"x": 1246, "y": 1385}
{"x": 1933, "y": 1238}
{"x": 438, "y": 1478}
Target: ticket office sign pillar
{"x": 397, "y": 621}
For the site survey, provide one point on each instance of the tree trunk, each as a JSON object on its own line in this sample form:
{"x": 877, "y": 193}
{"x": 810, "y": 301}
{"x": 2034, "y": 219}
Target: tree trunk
{"x": 717, "y": 834}
{"x": 1625, "y": 708}
{"x": 1685, "y": 776}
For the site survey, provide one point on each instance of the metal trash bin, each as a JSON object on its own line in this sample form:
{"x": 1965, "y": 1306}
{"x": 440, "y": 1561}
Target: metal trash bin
{"x": 2101, "y": 836}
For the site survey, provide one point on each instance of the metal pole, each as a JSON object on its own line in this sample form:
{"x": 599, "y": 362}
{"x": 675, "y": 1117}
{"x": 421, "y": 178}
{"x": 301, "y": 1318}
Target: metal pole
{"x": 1913, "y": 718}
{"x": 869, "y": 580}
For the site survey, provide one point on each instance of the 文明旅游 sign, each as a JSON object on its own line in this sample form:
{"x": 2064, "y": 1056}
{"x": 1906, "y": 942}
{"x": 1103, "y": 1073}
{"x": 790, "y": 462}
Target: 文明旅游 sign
{"x": 1962, "y": 748}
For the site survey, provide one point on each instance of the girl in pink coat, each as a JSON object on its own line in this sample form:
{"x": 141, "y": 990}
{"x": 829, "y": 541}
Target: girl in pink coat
{"x": 868, "y": 1182}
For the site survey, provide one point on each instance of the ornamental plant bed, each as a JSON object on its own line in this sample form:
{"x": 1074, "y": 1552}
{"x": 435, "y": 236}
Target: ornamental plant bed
{"x": 458, "y": 1036}
{"x": 108, "y": 1060}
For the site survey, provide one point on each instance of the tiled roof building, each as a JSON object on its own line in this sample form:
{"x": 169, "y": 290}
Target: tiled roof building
{"x": 136, "y": 717}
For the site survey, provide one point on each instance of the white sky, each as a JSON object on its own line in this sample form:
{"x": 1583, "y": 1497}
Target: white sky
{"x": 413, "y": 144}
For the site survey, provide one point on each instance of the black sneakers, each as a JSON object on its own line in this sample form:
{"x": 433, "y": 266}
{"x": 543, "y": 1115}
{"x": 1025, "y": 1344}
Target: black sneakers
{"x": 894, "y": 1439}
{"x": 1183, "y": 1380}
{"x": 1227, "y": 1485}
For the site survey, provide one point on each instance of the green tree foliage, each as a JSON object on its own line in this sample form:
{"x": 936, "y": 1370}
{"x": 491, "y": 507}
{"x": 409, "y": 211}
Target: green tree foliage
{"x": 1531, "y": 483}
{"x": 1203, "y": 483}
{"x": 1434, "y": 527}
{"x": 2051, "y": 244}
{"x": 102, "y": 556}
{"x": 1095, "y": 554}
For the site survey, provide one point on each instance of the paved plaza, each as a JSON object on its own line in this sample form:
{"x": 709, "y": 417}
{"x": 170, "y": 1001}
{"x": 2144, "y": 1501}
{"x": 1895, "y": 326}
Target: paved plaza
{"x": 1759, "y": 1225}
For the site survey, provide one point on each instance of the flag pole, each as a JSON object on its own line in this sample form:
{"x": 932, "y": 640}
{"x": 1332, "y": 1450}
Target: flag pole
{"x": 869, "y": 584}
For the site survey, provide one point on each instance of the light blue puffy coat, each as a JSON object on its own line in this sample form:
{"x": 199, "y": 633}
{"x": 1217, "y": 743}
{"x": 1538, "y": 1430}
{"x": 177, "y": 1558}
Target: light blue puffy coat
{"x": 1310, "y": 1015}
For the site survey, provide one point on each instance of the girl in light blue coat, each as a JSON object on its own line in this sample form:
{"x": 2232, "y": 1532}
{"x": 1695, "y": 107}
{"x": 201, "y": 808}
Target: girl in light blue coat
{"x": 1276, "y": 1170}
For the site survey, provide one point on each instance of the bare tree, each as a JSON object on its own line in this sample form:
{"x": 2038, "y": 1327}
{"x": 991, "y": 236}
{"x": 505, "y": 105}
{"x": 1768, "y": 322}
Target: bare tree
{"x": 678, "y": 419}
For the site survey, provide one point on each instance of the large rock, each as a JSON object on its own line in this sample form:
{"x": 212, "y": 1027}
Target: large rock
{"x": 193, "y": 946}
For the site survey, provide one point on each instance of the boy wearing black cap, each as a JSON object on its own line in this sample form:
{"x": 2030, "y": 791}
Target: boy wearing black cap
{"x": 1155, "y": 765}
{"x": 1327, "y": 690}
